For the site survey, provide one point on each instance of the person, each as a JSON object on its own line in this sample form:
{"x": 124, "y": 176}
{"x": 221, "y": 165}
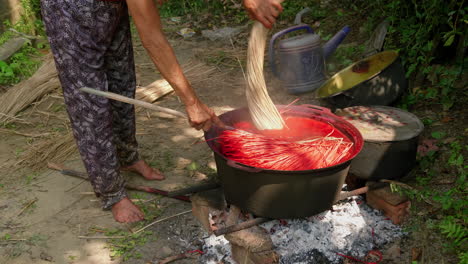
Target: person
{"x": 92, "y": 47}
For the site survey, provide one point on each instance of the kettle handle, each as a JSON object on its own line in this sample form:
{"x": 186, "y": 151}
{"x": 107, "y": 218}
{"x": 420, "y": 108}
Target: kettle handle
{"x": 271, "y": 48}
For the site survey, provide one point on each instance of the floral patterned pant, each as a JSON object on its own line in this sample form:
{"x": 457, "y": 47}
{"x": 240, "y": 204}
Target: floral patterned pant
{"x": 92, "y": 47}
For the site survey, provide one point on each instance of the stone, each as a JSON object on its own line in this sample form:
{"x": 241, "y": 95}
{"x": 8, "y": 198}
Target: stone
{"x": 222, "y": 34}
{"x": 166, "y": 251}
{"x": 46, "y": 257}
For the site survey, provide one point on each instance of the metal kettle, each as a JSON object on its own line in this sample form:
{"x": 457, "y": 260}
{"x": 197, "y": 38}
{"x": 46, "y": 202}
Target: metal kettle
{"x": 301, "y": 59}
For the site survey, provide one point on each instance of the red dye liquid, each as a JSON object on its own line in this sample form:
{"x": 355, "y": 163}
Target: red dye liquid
{"x": 304, "y": 144}
{"x": 297, "y": 128}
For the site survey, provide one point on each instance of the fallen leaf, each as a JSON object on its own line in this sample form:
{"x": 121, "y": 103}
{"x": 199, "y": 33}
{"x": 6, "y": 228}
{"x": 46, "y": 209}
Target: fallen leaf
{"x": 416, "y": 254}
{"x": 426, "y": 146}
{"x": 446, "y": 119}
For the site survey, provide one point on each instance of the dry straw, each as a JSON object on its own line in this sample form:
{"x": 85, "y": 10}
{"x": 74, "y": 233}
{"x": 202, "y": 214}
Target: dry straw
{"x": 22, "y": 95}
{"x": 262, "y": 109}
{"x": 56, "y": 150}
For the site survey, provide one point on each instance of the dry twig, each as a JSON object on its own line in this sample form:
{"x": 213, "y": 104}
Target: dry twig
{"x": 27, "y": 206}
{"x": 161, "y": 220}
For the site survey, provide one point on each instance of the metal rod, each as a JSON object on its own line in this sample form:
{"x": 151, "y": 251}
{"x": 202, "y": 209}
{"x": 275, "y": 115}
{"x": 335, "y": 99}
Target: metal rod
{"x": 241, "y": 226}
{"x": 147, "y": 189}
{"x": 127, "y": 100}
{"x": 205, "y": 186}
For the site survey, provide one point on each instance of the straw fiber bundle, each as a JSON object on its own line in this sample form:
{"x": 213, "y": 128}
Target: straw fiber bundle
{"x": 262, "y": 109}
{"x": 56, "y": 150}
{"x": 20, "y": 96}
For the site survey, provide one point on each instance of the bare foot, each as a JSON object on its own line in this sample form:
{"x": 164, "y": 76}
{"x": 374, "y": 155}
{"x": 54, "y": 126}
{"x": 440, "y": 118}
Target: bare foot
{"x": 127, "y": 212}
{"x": 142, "y": 168}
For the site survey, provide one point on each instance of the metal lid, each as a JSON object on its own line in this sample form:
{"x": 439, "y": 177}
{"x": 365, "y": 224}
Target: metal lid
{"x": 382, "y": 123}
{"x": 356, "y": 73}
{"x": 301, "y": 41}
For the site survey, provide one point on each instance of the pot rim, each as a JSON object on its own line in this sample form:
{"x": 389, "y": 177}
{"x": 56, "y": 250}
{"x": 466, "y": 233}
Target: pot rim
{"x": 353, "y": 134}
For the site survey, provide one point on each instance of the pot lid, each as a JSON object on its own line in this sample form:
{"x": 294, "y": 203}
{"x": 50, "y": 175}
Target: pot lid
{"x": 356, "y": 73}
{"x": 382, "y": 123}
{"x": 301, "y": 41}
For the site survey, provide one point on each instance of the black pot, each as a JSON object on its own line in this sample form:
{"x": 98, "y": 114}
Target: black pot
{"x": 282, "y": 194}
{"x": 382, "y": 89}
{"x": 385, "y": 160}
{"x": 390, "y": 141}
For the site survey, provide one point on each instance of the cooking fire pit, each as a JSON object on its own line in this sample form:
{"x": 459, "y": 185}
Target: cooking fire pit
{"x": 283, "y": 194}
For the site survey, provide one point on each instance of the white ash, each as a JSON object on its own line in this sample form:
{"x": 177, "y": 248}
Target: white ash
{"x": 352, "y": 228}
{"x": 216, "y": 250}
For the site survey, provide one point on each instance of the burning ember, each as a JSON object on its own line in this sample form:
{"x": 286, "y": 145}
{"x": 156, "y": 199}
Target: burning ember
{"x": 351, "y": 229}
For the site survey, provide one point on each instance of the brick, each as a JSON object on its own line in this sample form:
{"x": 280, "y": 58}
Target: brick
{"x": 385, "y": 193}
{"x": 207, "y": 202}
{"x": 202, "y": 214}
{"x": 211, "y": 198}
{"x": 396, "y": 213}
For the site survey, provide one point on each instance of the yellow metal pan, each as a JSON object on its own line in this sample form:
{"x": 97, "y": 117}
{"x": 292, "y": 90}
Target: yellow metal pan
{"x": 356, "y": 73}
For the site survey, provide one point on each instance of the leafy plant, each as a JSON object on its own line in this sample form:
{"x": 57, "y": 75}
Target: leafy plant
{"x": 24, "y": 62}
{"x": 456, "y": 232}
{"x": 418, "y": 29}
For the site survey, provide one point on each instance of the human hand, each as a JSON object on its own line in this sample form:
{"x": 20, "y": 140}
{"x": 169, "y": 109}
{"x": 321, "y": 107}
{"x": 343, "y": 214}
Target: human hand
{"x": 265, "y": 11}
{"x": 201, "y": 116}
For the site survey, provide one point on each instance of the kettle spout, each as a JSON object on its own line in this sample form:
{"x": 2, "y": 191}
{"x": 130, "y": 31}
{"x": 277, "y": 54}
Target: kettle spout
{"x": 333, "y": 43}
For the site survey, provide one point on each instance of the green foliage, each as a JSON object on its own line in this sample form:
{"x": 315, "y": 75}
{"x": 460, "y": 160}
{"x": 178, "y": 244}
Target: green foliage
{"x": 463, "y": 257}
{"x": 229, "y": 12}
{"x": 456, "y": 232}
{"x": 345, "y": 55}
{"x": 226, "y": 11}
{"x": 451, "y": 203}
{"x": 126, "y": 245}
{"x": 24, "y": 62}
{"x": 438, "y": 134}
{"x": 417, "y": 29}
{"x": 21, "y": 65}
{"x": 164, "y": 160}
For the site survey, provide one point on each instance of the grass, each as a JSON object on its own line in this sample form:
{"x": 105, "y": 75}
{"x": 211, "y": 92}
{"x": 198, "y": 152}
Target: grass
{"x": 127, "y": 245}
{"x": 164, "y": 160}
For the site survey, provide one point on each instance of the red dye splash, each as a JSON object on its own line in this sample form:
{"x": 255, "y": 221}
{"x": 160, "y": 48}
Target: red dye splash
{"x": 304, "y": 144}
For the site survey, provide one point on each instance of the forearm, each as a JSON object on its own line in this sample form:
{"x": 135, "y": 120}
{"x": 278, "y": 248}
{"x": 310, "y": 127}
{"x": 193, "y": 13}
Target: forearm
{"x": 148, "y": 23}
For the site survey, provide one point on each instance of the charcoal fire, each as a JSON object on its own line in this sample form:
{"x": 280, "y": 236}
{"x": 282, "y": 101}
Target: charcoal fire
{"x": 351, "y": 229}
